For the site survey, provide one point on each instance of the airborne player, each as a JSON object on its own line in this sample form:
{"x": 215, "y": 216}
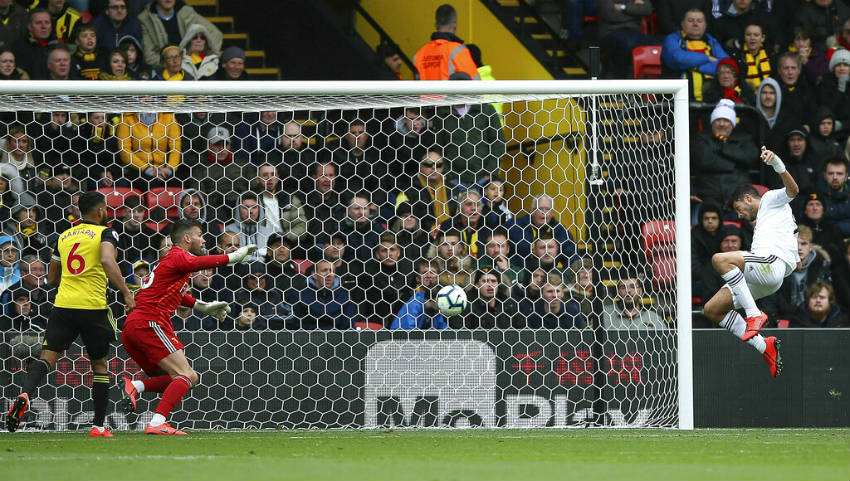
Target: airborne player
{"x": 760, "y": 272}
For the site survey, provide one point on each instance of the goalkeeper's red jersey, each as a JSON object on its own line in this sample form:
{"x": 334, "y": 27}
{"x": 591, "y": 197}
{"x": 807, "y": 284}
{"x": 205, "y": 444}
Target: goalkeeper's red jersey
{"x": 162, "y": 292}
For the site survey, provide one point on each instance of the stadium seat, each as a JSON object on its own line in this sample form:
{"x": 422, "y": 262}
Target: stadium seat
{"x": 302, "y": 265}
{"x": 731, "y": 222}
{"x": 370, "y": 325}
{"x": 162, "y": 202}
{"x": 115, "y": 197}
{"x": 783, "y": 323}
{"x": 659, "y": 245}
{"x": 646, "y": 61}
{"x": 157, "y": 226}
{"x": 761, "y": 189}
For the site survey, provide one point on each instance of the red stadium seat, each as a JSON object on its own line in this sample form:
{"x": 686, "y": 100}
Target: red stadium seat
{"x": 783, "y": 323}
{"x": 302, "y": 265}
{"x": 659, "y": 245}
{"x": 164, "y": 198}
{"x": 116, "y": 197}
{"x": 646, "y": 61}
{"x": 85, "y": 17}
{"x": 761, "y": 189}
{"x": 370, "y": 325}
{"x": 731, "y": 222}
{"x": 157, "y": 226}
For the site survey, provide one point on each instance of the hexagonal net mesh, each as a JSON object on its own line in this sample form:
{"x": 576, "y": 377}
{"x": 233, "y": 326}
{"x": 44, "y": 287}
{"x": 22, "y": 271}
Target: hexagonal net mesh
{"x": 554, "y": 214}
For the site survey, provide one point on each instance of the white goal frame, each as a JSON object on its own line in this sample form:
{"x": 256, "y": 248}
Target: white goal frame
{"x": 678, "y": 88}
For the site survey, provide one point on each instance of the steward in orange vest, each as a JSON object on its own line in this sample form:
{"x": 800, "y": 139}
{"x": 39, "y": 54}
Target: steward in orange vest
{"x": 445, "y": 54}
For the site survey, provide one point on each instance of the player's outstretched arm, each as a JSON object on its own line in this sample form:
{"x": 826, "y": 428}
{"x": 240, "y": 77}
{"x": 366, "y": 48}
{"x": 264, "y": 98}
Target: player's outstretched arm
{"x": 773, "y": 160}
{"x": 216, "y": 309}
{"x": 108, "y": 258}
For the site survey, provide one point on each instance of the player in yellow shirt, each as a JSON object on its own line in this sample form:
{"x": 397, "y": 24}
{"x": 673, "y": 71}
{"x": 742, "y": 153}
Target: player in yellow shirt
{"x": 84, "y": 257}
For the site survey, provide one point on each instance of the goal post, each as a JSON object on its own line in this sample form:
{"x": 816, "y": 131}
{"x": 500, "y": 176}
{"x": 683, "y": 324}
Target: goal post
{"x": 516, "y": 375}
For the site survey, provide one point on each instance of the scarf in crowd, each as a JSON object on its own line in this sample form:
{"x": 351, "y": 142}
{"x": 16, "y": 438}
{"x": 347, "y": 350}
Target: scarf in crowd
{"x": 758, "y": 68}
{"x": 197, "y": 58}
{"x": 178, "y": 76}
{"x": 696, "y": 77}
{"x": 440, "y": 197}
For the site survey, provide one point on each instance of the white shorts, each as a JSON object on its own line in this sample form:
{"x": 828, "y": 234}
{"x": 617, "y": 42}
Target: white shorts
{"x": 763, "y": 275}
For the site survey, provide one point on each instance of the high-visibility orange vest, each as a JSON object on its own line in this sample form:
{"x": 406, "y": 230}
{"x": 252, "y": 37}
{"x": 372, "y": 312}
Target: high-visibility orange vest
{"x": 444, "y": 55}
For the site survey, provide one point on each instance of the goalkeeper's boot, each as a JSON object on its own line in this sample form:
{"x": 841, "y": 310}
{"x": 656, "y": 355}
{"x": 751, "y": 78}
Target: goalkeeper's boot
{"x": 163, "y": 428}
{"x": 754, "y": 325}
{"x": 16, "y": 412}
{"x": 97, "y": 433}
{"x": 772, "y": 356}
{"x": 129, "y": 395}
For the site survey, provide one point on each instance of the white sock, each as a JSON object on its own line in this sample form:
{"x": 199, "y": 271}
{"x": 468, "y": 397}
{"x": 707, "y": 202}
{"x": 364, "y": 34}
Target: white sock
{"x": 140, "y": 386}
{"x": 156, "y": 420}
{"x": 735, "y": 279}
{"x": 734, "y": 323}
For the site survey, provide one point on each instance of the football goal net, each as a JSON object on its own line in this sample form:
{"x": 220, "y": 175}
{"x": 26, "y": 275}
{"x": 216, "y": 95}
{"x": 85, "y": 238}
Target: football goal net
{"x": 559, "y": 208}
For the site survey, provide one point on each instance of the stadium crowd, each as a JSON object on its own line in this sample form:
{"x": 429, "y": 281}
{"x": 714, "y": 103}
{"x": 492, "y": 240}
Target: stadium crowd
{"x": 361, "y": 222}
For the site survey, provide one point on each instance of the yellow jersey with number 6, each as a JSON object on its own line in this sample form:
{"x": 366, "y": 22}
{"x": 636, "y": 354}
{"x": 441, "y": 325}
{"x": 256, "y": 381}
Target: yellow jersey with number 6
{"x": 83, "y": 284}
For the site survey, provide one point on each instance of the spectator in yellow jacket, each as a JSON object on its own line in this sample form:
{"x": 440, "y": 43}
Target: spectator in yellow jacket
{"x": 150, "y": 145}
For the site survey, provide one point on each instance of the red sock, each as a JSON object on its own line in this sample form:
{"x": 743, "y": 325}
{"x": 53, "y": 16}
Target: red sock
{"x": 172, "y": 395}
{"x": 157, "y": 384}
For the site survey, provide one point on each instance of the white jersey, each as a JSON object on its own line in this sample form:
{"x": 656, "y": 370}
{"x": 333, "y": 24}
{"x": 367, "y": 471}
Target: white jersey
{"x": 776, "y": 230}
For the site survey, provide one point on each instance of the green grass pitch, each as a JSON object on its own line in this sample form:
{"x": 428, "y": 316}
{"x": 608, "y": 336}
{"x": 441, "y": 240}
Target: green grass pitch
{"x": 582, "y": 454}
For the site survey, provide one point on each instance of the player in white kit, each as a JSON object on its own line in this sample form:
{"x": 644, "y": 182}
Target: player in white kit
{"x": 759, "y": 272}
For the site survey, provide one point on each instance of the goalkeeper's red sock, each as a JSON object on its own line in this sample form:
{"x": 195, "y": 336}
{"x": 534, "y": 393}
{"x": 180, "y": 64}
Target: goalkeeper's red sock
{"x": 175, "y": 391}
{"x": 155, "y": 384}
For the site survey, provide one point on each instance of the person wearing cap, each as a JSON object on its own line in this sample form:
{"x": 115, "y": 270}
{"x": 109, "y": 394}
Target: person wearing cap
{"x": 171, "y": 59}
{"x": 199, "y": 59}
{"x": 825, "y": 233}
{"x": 115, "y": 23}
{"x": 798, "y": 161}
{"x": 166, "y": 21}
{"x": 721, "y": 157}
{"x": 834, "y": 90}
{"x": 150, "y": 147}
{"x": 217, "y": 171}
{"x": 232, "y": 65}
{"x": 727, "y": 85}
{"x": 279, "y": 265}
{"x": 705, "y": 242}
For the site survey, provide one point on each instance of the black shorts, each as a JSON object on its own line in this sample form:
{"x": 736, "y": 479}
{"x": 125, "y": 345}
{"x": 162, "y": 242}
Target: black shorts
{"x": 96, "y": 327}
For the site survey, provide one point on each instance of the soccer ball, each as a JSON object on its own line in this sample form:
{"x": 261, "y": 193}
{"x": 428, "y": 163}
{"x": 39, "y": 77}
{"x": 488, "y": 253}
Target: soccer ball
{"x": 451, "y": 300}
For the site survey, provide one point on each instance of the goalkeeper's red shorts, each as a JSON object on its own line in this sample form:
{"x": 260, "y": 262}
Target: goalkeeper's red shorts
{"x": 149, "y": 344}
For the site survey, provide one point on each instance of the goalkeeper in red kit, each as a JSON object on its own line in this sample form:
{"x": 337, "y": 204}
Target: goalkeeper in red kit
{"x": 148, "y": 334}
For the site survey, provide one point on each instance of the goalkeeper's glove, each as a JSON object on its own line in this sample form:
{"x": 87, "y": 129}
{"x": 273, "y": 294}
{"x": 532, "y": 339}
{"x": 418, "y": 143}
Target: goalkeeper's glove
{"x": 218, "y": 309}
{"x": 240, "y": 254}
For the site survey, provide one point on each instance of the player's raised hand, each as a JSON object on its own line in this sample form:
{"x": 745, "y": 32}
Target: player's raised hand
{"x": 771, "y": 159}
{"x": 241, "y": 254}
